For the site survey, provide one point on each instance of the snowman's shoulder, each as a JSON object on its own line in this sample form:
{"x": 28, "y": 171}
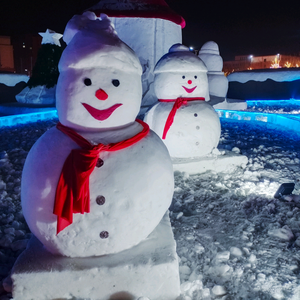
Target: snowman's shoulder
{"x": 149, "y": 114}
{"x": 53, "y": 141}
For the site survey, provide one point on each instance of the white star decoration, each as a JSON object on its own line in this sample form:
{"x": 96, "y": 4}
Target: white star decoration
{"x": 50, "y": 37}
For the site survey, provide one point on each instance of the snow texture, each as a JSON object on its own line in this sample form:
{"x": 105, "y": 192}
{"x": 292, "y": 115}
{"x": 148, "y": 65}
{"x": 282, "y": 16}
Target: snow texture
{"x": 220, "y": 221}
{"x": 216, "y": 161}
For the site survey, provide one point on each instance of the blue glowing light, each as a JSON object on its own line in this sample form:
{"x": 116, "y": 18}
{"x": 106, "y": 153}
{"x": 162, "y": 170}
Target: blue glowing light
{"x": 27, "y": 118}
{"x": 281, "y": 121}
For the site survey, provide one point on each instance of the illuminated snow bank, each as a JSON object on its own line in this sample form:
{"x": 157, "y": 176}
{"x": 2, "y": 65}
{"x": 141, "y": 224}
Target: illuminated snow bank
{"x": 282, "y": 121}
{"x": 27, "y": 118}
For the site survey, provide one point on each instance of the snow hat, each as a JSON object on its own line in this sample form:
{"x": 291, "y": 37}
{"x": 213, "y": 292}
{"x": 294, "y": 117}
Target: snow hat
{"x": 93, "y": 42}
{"x": 179, "y": 58}
{"x": 210, "y": 55}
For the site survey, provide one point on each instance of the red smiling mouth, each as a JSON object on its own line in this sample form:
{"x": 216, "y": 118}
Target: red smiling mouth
{"x": 101, "y": 115}
{"x": 189, "y": 90}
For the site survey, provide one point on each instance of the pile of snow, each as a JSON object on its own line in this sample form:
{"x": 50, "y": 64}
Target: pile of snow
{"x": 278, "y": 75}
{"x": 13, "y": 79}
{"x": 234, "y": 240}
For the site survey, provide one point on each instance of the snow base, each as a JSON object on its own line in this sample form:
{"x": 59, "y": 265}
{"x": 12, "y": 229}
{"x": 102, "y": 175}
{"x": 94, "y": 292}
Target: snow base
{"x": 226, "y": 161}
{"x": 231, "y": 104}
{"x": 148, "y": 270}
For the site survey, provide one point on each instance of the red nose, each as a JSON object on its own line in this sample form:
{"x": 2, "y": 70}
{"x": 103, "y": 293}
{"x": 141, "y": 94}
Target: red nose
{"x": 101, "y": 95}
{"x": 190, "y": 81}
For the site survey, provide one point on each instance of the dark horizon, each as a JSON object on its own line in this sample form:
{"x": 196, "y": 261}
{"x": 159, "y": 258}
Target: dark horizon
{"x": 239, "y": 29}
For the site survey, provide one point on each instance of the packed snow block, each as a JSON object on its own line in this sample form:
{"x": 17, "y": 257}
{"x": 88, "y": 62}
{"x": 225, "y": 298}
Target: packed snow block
{"x": 265, "y": 84}
{"x": 149, "y": 269}
{"x": 227, "y": 161}
{"x": 231, "y": 104}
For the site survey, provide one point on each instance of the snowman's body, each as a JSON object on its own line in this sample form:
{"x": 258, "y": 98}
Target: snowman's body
{"x": 196, "y": 129}
{"x": 194, "y": 132}
{"x": 127, "y": 193}
{"x": 98, "y": 96}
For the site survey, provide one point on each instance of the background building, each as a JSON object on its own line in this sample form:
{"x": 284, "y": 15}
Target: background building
{"x": 250, "y": 62}
{"x": 6, "y": 55}
{"x": 26, "y": 48}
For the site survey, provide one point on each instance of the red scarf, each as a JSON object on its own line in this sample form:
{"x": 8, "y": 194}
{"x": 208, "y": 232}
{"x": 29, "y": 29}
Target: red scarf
{"x": 72, "y": 192}
{"x": 178, "y": 102}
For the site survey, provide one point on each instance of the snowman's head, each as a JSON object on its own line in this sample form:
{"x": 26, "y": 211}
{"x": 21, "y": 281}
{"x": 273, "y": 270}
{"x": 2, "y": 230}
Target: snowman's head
{"x": 99, "y": 85}
{"x": 180, "y": 73}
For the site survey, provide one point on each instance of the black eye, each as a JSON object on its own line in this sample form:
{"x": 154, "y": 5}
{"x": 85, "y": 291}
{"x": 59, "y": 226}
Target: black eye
{"x": 87, "y": 81}
{"x": 195, "y": 77}
{"x": 183, "y": 77}
{"x": 115, "y": 82}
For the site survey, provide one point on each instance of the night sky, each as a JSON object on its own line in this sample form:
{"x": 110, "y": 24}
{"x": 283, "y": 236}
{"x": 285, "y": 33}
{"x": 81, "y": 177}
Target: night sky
{"x": 239, "y": 27}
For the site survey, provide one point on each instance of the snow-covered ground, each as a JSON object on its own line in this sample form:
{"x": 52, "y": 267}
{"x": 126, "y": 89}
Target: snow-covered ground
{"x": 234, "y": 240}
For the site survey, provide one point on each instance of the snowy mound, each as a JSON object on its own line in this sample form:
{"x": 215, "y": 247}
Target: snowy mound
{"x": 13, "y": 79}
{"x": 266, "y": 84}
{"x": 278, "y": 75}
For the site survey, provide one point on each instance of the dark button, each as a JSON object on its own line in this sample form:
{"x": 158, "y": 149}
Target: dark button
{"x": 100, "y": 200}
{"x": 104, "y": 234}
{"x": 99, "y": 163}
{"x": 196, "y": 115}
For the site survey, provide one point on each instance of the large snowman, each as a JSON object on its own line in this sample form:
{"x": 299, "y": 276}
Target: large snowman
{"x": 188, "y": 125}
{"x": 99, "y": 182}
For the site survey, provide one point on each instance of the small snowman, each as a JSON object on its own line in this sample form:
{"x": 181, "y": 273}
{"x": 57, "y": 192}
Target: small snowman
{"x": 100, "y": 181}
{"x": 187, "y": 124}
{"x": 217, "y": 81}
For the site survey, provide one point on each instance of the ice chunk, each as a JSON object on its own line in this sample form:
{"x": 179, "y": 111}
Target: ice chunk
{"x": 283, "y": 233}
